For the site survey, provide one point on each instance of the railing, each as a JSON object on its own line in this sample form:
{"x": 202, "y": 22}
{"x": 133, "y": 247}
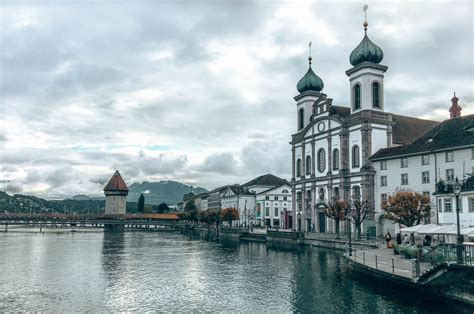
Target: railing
{"x": 367, "y": 240}
{"x": 446, "y": 253}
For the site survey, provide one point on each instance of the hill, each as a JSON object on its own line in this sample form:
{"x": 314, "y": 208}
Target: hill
{"x": 169, "y": 192}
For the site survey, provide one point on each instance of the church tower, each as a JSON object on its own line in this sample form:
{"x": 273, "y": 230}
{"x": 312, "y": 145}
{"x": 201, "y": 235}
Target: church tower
{"x": 116, "y": 192}
{"x": 366, "y": 75}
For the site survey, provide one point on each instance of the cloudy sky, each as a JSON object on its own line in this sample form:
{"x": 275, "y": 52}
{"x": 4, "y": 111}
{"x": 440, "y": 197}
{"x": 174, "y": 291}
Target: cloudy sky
{"x": 200, "y": 91}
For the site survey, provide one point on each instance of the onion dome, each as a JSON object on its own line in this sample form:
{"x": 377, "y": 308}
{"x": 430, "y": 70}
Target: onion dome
{"x": 310, "y": 81}
{"x": 366, "y": 51}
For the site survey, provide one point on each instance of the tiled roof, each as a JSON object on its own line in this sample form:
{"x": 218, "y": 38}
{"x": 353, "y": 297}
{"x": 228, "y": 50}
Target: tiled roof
{"x": 407, "y": 129}
{"x": 266, "y": 180}
{"x": 451, "y": 133}
{"x": 116, "y": 183}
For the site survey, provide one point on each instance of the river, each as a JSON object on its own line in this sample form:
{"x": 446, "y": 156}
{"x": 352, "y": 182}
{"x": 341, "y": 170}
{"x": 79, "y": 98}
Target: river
{"x": 158, "y": 271}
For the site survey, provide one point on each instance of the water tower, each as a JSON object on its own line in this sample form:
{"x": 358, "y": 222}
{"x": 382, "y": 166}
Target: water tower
{"x": 116, "y": 192}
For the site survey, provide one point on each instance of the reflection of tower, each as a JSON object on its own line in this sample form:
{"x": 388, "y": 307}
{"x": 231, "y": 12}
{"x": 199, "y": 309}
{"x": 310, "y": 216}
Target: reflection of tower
{"x": 116, "y": 192}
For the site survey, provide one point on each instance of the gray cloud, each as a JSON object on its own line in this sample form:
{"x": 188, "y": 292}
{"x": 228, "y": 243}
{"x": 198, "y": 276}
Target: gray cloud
{"x": 223, "y": 163}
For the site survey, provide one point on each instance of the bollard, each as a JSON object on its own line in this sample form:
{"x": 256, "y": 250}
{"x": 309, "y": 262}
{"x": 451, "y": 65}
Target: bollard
{"x": 375, "y": 261}
{"x": 363, "y": 257}
{"x": 393, "y": 266}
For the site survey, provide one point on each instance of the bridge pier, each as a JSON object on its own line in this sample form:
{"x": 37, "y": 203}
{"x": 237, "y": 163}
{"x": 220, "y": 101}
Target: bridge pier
{"x": 114, "y": 227}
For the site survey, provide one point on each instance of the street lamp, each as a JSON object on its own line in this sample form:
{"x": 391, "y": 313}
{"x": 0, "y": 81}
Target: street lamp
{"x": 457, "y": 190}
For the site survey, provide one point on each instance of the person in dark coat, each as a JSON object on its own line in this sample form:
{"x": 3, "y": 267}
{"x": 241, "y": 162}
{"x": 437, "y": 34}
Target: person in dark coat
{"x": 399, "y": 239}
{"x": 388, "y": 238}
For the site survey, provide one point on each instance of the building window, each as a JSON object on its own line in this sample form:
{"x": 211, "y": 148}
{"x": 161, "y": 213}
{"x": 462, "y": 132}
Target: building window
{"x": 383, "y": 181}
{"x": 321, "y": 160}
{"x": 440, "y": 206}
{"x": 298, "y": 167}
{"x": 267, "y": 211}
{"x": 404, "y": 179}
{"x": 276, "y": 198}
{"x": 335, "y": 159}
{"x": 355, "y": 156}
{"x": 356, "y": 190}
{"x": 425, "y": 177}
{"x": 308, "y": 195}
{"x": 321, "y": 195}
{"x": 460, "y": 205}
{"x": 425, "y": 160}
{"x": 308, "y": 164}
{"x": 383, "y": 165}
{"x": 267, "y": 198}
{"x": 449, "y": 156}
{"x": 448, "y": 205}
{"x": 301, "y": 119}
{"x": 471, "y": 205}
{"x": 275, "y": 211}
{"x": 383, "y": 199}
{"x": 404, "y": 162}
{"x": 472, "y": 153}
{"x": 356, "y": 97}
{"x": 285, "y": 198}
{"x": 336, "y": 192}
{"x": 375, "y": 95}
{"x": 449, "y": 174}
{"x": 426, "y": 193}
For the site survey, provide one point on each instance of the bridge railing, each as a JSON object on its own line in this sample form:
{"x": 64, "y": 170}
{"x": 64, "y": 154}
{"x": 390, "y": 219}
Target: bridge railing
{"x": 447, "y": 253}
{"x": 408, "y": 268}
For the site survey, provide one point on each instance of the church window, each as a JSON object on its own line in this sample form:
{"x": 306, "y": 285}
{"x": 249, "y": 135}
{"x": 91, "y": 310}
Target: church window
{"x": 298, "y": 167}
{"x": 321, "y": 160}
{"x": 321, "y": 195}
{"x": 356, "y": 190}
{"x": 357, "y": 96}
{"x": 355, "y": 156}
{"x": 301, "y": 119}
{"x": 335, "y": 159}
{"x": 336, "y": 192}
{"x": 308, "y": 164}
{"x": 375, "y": 95}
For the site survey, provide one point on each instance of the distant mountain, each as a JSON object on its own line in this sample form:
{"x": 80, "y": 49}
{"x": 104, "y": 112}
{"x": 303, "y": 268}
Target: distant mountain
{"x": 169, "y": 192}
{"x": 81, "y": 197}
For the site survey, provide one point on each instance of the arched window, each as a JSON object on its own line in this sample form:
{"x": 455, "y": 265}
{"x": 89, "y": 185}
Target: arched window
{"x": 301, "y": 119}
{"x": 298, "y": 196}
{"x": 335, "y": 159}
{"x": 308, "y": 195}
{"x": 375, "y": 95}
{"x": 336, "y": 192}
{"x": 298, "y": 167}
{"x": 321, "y": 160}
{"x": 357, "y": 96}
{"x": 321, "y": 194}
{"x": 285, "y": 191}
{"x": 355, "y": 156}
{"x": 308, "y": 164}
{"x": 356, "y": 190}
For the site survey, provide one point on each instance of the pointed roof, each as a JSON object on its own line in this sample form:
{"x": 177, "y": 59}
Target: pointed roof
{"x": 267, "y": 180}
{"x": 116, "y": 183}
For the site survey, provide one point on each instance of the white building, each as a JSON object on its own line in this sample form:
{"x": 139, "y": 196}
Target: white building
{"x": 332, "y": 146}
{"x": 237, "y": 197}
{"x": 274, "y": 207}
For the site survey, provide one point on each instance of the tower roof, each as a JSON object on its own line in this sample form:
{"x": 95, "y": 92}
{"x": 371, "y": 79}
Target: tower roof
{"x": 116, "y": 183}
{"x": 310, "y": 81}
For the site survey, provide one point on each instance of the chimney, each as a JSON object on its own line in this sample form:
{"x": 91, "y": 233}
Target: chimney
{"x": 455, "y": 110}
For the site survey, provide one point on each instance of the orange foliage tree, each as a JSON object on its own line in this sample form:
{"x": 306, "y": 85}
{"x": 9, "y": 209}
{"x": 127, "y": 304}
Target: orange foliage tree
{"x": 407, "y": 207}
{"x": 229, "y": 214}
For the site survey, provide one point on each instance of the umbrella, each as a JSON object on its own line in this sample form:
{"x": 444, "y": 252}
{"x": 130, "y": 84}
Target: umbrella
{"x": 428, "y": 229}
{"x": 411, "y": 229}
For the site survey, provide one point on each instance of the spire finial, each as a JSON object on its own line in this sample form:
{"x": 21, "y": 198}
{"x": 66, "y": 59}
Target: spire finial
{"x": 310, "y": 58}
{"x": 365, "y": 16}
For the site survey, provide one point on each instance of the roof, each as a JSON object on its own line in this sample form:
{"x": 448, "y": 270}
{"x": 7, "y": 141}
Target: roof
{"x": 274, "y": 188}
{"x": 407, "y": 129}
{"x": 116, "y": 183}
{"x": 266, "y": 180}
{"x": 451, "y": 133}
{"x": 338, "y": 110}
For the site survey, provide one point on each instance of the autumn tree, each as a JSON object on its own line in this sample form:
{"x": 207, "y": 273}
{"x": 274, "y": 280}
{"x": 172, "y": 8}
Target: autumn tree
{"x": 141, "y": 203}
{"x": 360, "y": 210}
{"x": 336, "y": 211}
{"x": 229, "y": 214}
{"x": 209, "y": 217}
{"x": 407, "y": 207}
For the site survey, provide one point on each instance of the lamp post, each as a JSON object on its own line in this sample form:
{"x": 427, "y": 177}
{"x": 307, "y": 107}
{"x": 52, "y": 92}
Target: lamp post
{"x": 457, "y": 190}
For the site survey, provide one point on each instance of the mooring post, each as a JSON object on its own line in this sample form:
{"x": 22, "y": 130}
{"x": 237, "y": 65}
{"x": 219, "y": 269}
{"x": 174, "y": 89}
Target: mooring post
{"x": 363, "y": 256}
{"x": 375, "y": 261}
{"x": 393, "y": 266}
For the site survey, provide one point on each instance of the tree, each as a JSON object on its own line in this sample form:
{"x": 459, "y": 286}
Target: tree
{"x": 163, "y": 208}
{"x": 209, "y": 217}
{"x": 190, "y": 206}
{"x": 141, "y": 203}
{"x": 360, "y": 210}
{"x": 407, "y": 207}
{"x": 148, "y": 209}
{"x": 336, "y": 211}
{"x": 229, "y": 214}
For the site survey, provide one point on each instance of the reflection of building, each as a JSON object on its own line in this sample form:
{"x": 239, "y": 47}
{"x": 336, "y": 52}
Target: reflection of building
{"x": 332, "y": 146}
{"x": 116, "y": 192}
{"x": 430, "y": 165}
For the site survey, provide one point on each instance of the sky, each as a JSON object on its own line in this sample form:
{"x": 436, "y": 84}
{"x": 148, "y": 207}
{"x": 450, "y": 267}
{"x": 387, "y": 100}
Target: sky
{"x": 200, "y": 92}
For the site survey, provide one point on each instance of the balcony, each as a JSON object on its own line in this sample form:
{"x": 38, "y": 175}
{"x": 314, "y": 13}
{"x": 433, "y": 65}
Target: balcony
{"x": 446, "y": 187}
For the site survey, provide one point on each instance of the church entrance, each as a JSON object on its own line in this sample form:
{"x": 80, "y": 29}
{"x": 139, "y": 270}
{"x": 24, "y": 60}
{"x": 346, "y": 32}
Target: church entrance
{"x": 289, "y": 224}
{"x": 322, "y": 222}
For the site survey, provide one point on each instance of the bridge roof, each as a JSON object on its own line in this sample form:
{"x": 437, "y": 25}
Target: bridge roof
{"x": 116, "y": 183}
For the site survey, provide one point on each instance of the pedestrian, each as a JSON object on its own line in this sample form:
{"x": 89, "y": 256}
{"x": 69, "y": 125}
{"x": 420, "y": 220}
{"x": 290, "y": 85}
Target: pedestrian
{"x": 406, "y": 240}
{"x": 388, "y": 239}
{"x": 399, "y": 238}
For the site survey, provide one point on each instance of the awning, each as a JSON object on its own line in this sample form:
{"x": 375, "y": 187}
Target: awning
{"x": 412, "y": 229}
{"x": 438, "y": 229}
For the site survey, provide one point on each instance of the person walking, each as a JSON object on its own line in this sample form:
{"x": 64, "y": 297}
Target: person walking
{"x": 399, "y": 238}
{"x": 388, "y": 239}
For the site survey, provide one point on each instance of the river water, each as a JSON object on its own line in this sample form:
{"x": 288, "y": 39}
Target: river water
{"x": 158, "y": 271}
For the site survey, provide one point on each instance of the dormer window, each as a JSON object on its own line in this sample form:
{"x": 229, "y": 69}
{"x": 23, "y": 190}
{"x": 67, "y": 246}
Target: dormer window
{"x": 357, "y": 97}
{"x": 375, "y": 95}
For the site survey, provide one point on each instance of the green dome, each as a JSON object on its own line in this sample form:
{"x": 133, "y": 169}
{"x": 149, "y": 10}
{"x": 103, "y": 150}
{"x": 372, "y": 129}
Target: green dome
{"x": 366, "y": 51}
{"x": 310, "y": 81}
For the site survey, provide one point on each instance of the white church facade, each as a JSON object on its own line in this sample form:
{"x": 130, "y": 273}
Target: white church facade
{"x": 333, "y": 145}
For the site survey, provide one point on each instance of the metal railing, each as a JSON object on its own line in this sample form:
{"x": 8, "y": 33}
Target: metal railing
{"x": 446, "y": 253}
{"x": 401, "y": 267}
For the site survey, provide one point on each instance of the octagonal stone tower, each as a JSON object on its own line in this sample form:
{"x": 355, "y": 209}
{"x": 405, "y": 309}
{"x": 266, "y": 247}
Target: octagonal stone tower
{"x": 116, "y": 192}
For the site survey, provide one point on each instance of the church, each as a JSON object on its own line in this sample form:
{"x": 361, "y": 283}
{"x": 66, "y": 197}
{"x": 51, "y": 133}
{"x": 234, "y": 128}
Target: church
{"x": 333, "y": 145}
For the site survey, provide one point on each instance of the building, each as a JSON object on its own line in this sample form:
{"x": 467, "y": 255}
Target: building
{"x": 116, "y": 192}
{"x": 332, "y": 145}
{"x": 238, "y": 197}
{"x": 430, "y": 165}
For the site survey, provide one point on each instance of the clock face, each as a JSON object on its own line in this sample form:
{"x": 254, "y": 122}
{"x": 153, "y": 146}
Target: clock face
{"x": 321, "y": 126}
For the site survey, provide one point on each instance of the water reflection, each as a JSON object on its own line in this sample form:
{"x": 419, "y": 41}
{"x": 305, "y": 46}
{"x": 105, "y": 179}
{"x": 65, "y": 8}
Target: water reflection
{"x": 113, "y": 252}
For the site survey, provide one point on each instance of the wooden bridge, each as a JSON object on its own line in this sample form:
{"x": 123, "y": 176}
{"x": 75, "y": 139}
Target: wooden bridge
{"x": 120, "y": 222}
